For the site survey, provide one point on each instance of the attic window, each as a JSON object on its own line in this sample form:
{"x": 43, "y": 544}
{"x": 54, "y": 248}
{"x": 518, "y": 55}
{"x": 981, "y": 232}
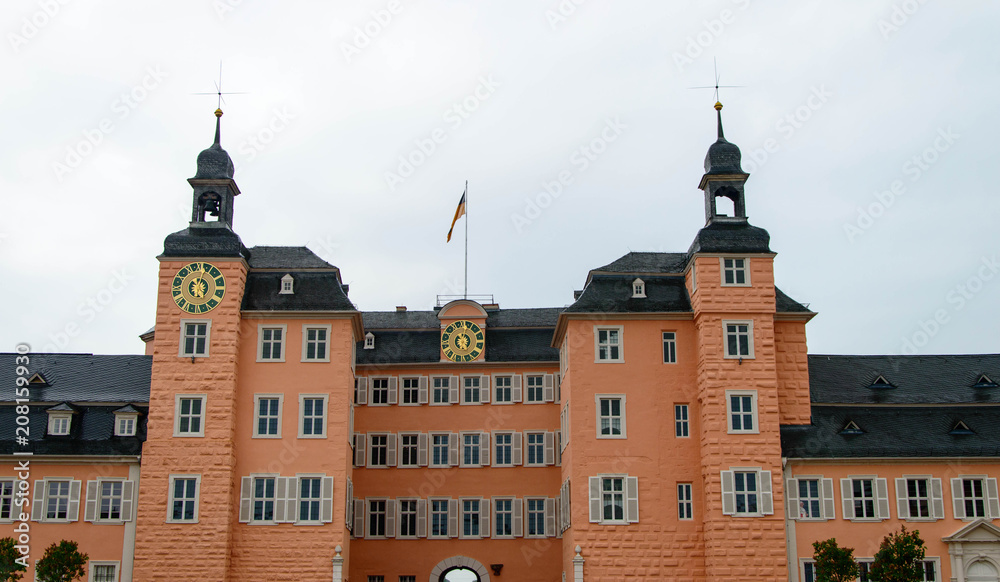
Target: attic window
{"x": 984, "y": 382}
{"x": 961, "y": 429}
{"x": 638, "y": 288}
{"x": 59, "y": 423}
{"x": 881, "y": 382}
{"x": 851, "y": 428}
{"x": 286, "y": 285}
{"x": 369, "y": 341}
{"x": 125, "y": 423}
{"x": 38, "y": 380}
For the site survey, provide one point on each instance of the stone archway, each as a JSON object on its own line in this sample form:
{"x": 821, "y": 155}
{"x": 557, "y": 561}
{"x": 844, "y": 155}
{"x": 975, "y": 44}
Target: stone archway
{"x": 981, "y": 571}
{"x": 445, "y": 566}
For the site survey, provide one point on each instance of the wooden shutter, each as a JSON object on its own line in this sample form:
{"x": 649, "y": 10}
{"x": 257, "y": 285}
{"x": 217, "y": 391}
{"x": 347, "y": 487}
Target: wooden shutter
{"x": 517, "y": 522}
{"x": 362, "y": 390}
{"x": 422, "y": 449}
{"x": 326, "y": 504}
{"x": 484, "y": 449}
{"x": 421, "y": 518}
{"x": 882, "y": 493}
{"x": 359, "y": 518}
{"x": 548, "y": 388}
{"x": 515, "y": 388}
{"x": 349, "y": 504}
{"x": 992, "y": 499}
{"x": 390, "y": 518}
{"x": 292, "y": 500}
{"x": 246, "y": 488}
{"x": 390, "y": 449}
{"x": 957, "y": 498}
{"x": 393, "y": 390}
{"x": 516, "y": 450}
{"x": 453, "y": 450}
{"x": 453, "y": 518}
{"x": 454, "y": 390}
{"x": 902, "y": 504}
{"x": 829, "y": 508}
{"x": 280, "y": 493}
{"x": 550, "y": 517}
{"x": 484, "y": 388}
{"x": 359, "y": 449}
{"x": 595, "y": 499}
{"x": 766, "y": 497}
{"x": 74, "y": 500}
{"x": 38, "y": 505}
{"x": 847, "y": 497}
{"x": 728, "y": 493}
{"x": 937, "y": 499}
{"x": 90, "y": 507}
{"x": 792, "y": 498}
{"x": 128, "y": 499}
{"x": 550, "y": 448}
{"x": 484, "y": 518}
{"x": 422, "y": 389}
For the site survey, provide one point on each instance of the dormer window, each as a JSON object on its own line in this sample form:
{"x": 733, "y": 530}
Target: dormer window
{"x": 851, "y": 428}
{"x": 369, "y": 341}
{"x": 961, "y": 429}
{"x": 881, "y": 382}
{"x": 60, "y": 420}
{"x": 38, "y": 380}
{"x": 126, "y": 421}
{"x": 287, "y": 283}
{"x": 984, "y": 381}
{"x": 638, "y": 288}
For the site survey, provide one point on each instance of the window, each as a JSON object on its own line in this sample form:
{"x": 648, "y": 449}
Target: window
{"x": 376, "y": 518}
{"x": 919, "y": 497}
{"x": 608, "y": 344}
{"x": 310, "y": 496}
{"x": 739, "y": 339}
{"x": 315, "y": 341}
{"x": 268, "y": 416}
{"x": 263, "y": 498}
{"x": 411, "y": 391}
{"x": 59, "y": 423}
{"x": 747, "y": 492}
{"x": 470, "y": 450}
{"x": 535, "y": 389}
{"x": 194, "y": 338}
{"x": 613, "y": 499}
{"x": 103, "y": 571}
{"x": 930, "y": 571}
{"x": 502, "y": 392}
{"x": 369, "y": 341}
{"x": 271, "y": 347}
{"x": 125, "y": 424}
{"x": 409, "y": 444}
{"x": 442, "y": 390}
{"x": 379, "y": 448}
{"x": 638, "y": 288}
{"x": 809, "y": 499}
{"x": 287, "y": 285}
{"x": 610, "y": 416}
{"x": 535, "y": 443}
{"x": 504, "y": 448}
{"x": 471, "y": 390}
{"x": 864, "y": 497}
{"x": 184, "y": 498}
{"x": 407, "y": 579}
{"x": 189, "y": 415}
{"x": 109, "y": 501}
{"x": 734, "y": 272}
{"x": 379, "y": 390}
{"x": 439, "y": 518}
{"x": 372, "y": 578}
{"x": 57, "y": 500}
{"x": 975, "y": 497}
{"x": 503, "y": 517}
{"x": 681, "y": 420}
{"x": 470, "y": 518}
{"x": 808, "y": 571}
{"x": 6, "y": 499}
{"x": 439, "y": 450}
{"x": 742, "y": 411}
{"x": 669, "y": 347}
{"x": 407, "y": 518}
{"x": 312, "y": 420}
{"x": 535, "y": 516}
{"x": 685, "y": 509}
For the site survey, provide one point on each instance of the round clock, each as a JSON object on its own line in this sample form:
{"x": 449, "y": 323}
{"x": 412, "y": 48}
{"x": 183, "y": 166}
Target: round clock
{"x": 462, "y": 341}
{"x": 198, "y": 287}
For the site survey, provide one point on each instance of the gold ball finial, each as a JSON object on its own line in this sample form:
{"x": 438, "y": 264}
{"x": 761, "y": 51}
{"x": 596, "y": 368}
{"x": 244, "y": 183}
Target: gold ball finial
{"x": 218, "y": 113}
{"x": 718, "y": 106}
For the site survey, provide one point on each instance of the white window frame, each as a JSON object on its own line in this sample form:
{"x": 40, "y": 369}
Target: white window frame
{"x": 122, "y": 507}
{"x": 256, "y": 414}
{"x": 935, "y": 498}
{"x": 735, "y": 269}
{"x": 385, "y": 518}
{"x": 880, "y": 498}
{"x": 825, "y": 490}
{"x": 447, "y": 390}
{"x": 638, "y": 289}
{"x": 58, "y": 421}
{"x": 301, "y": 416}
{"x": 476, "y": 391}
{"x": 682, "y": 422}
{"x": 685, "y": 498}
{"x": 620, "y": 345}
{"x": 527, "y": 392}
{"x": 802, "y": 569}
{"x": 126, "y": 416}
{"x": 93, "y": 564}
{"x": 764, "y": 493}
{"x": 275, "y": 500}
{"x": 478, "y": 446}
{"x": 7, "y": 499}
{"x": 447, "y": 518}
{"x": 400, "y": 448}
{"x": 171, "y": 480}
{"x": 527, "y": 446}
{"x": 494, "y": 521}
{"x": 287, "y": 285}
{"x": 372, "y": 389}
{"x": 305, "y": 342}
{"x": 402, "y": 390}
{"x": 369, "y": 341}
{"x": 261, "y": 328}
{"x": 597, "y": 406}
{"x": 399, "y": 518}
{"x": 298, "y": 498}
{"x": 754, "y": 416}
{"x": 181, "y": 353}
{"x": 201, "y": 416}
{"x": 991, "y": 505}
{"x": 42, "y": 499}
{"x": 496, "y": 386}
{"x": 494, "y": 457}
{"x": 478, "y": 513}
{"x": 672, "y": 342}
{"x": 527, "y": 513}
{"x": 629, "y": 514}
{"x": 725, "y": 339}
{"x": 430, "y": 451}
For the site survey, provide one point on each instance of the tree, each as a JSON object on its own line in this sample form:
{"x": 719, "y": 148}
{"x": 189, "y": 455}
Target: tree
{"x": 10, "y": 568}
{"x": 834, "y": 563}
{"x": 61, "y": 562}
{"x": 899, "y": 558}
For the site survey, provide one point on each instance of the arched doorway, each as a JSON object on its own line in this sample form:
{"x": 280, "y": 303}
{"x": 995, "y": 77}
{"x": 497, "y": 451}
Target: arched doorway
{"x": 460, "y": 575}
{"x": 459, "y": 569}
{"x": 981, "y": 571}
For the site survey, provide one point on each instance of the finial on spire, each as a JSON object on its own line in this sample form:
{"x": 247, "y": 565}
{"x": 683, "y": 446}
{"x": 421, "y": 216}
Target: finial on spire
{"x": 218, "y": 127}
{"x": 718, "y": 110}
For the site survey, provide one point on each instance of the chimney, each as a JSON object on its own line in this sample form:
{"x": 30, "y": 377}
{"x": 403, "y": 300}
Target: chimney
{"x": 400, "y": 309}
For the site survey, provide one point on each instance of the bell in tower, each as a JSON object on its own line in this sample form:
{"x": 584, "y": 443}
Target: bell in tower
{"x": 724, "y": 178}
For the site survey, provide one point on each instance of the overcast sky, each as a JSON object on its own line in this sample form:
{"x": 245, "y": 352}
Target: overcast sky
{"x": 868, "y": 127}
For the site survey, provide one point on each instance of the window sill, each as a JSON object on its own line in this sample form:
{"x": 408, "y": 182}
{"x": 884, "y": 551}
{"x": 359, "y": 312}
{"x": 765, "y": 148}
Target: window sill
{"x": 266, "y": 436}
{"x": 609, "y": 437}
{"x": 619, "y": 361}
{"x": 312, "y": 436}
{"x": 186, "y": 435}
{"x": 270, "y": 361}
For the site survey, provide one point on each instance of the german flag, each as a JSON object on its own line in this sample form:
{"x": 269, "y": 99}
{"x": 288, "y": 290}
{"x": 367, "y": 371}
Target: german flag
{"x": 459, "y": 213}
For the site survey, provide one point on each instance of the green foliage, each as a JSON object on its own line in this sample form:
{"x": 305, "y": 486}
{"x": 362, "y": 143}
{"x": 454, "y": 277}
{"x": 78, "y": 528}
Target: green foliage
{"x": 61, "y": 563}
{"x": 834, "y": 563}
{"x": 10, "y": 570}
{"x": 899, "y": 558}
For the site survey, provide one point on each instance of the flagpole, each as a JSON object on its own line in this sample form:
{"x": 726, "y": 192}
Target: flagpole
{"x": 466, "y": 239}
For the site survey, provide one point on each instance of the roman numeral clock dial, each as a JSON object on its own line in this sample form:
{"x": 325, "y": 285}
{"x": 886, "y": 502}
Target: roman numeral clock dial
{"x": 198, "y": 287}
{"x": 462, "y": 341}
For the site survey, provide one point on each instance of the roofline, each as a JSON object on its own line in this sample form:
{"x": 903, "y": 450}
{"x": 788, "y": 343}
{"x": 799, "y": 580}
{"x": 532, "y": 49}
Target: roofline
{"x": 905, "y": 405}
{"x": 240, "y": 258}
{"x": 565, "y": 316}
{"x": 891, "y": 460}
{"x": 42, "y": 458}
{"x": 803, "y": 316}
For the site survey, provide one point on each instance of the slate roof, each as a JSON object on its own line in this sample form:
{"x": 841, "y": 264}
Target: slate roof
{"x": 613, "y": 294}
{"x": 785, "y": 304}
{"x": 730, "y": 237}
{"x": 918, "y": 379}
{"x": 520, "y": 345}
{"x": 215, "y": 240}
{"x": 643, "y": 262}
{"x": 91, "y": 433}
{"x": 375, "y": 320}
{"x": 313, "y": 291}
{"x": 80, "y": 378}
{"x": 907, "y": 431}
{"x": 264, "y": 257}
{"x": 402, "y": 347}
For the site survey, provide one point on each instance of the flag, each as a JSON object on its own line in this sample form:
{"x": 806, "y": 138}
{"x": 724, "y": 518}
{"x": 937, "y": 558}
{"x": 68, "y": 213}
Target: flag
{"x": 459, "y": 213}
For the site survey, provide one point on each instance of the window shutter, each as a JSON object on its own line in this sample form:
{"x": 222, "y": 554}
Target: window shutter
{"x": 349, "y": 504}
{"x": 957, "y": 498}
{"x": 550, "y": 448}
{"x": 362, "y": 391}
{"x": 792, "y": 498}
{"x": 422, "y": 449}
{"x": 326, "y": 505}
{"x": 128, "y": 499}
{"x": 359, "y": 449}
{"x": 517, "y": 525}
{"x": 515, "y": 445}
{"x": 74, "y": 500}
{"x": 453, "y": 518}
{"x": 937, "y": 499}
{"x": 515, "y": 388}
{"x": 484, "y": 449}
{"x": 422, "y": 389}
{"x": 39, "y": 503}
{"x": 829, "y": 508}
{"x": 484, "y": 388}
{"x": 992, "y": 500}
{"x": 548, "y": 388}
{"x": 90, "y": 507}
{"x": 902, "y": 505}
{"x": 390, "y": 450}
{"x": 280, "y": 494}
{"x": 550, "y": 517}
{"x": 484, "y": 518}
{"x": 453, "y": 449}
{"x": 292, "y": 500}
{"x": 421, "y": 518}
{"x": 359, "y": 518}
{"x": 847, "y": 497}
{"x": 766, "y": 497}
{"x": 393, "y": 390}
{"x": 453, "y": 390}
{"x": 728, "y": 493}
{"x": 632, "y": 499}
{"x": 882, "y": 492}
{"x": 245, "y": 491}
{"x": 595, "y": 499}
{"x": 390, "y": 518}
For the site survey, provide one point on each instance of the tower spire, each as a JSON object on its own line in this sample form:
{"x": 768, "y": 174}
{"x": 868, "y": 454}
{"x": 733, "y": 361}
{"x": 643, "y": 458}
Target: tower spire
{"x": 218, "y": 127}
{"x": 718, "y": 109}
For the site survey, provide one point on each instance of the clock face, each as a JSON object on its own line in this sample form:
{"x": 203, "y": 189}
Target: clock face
{"x": 198, "y": 287}
{"x": 462, "y": 341}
